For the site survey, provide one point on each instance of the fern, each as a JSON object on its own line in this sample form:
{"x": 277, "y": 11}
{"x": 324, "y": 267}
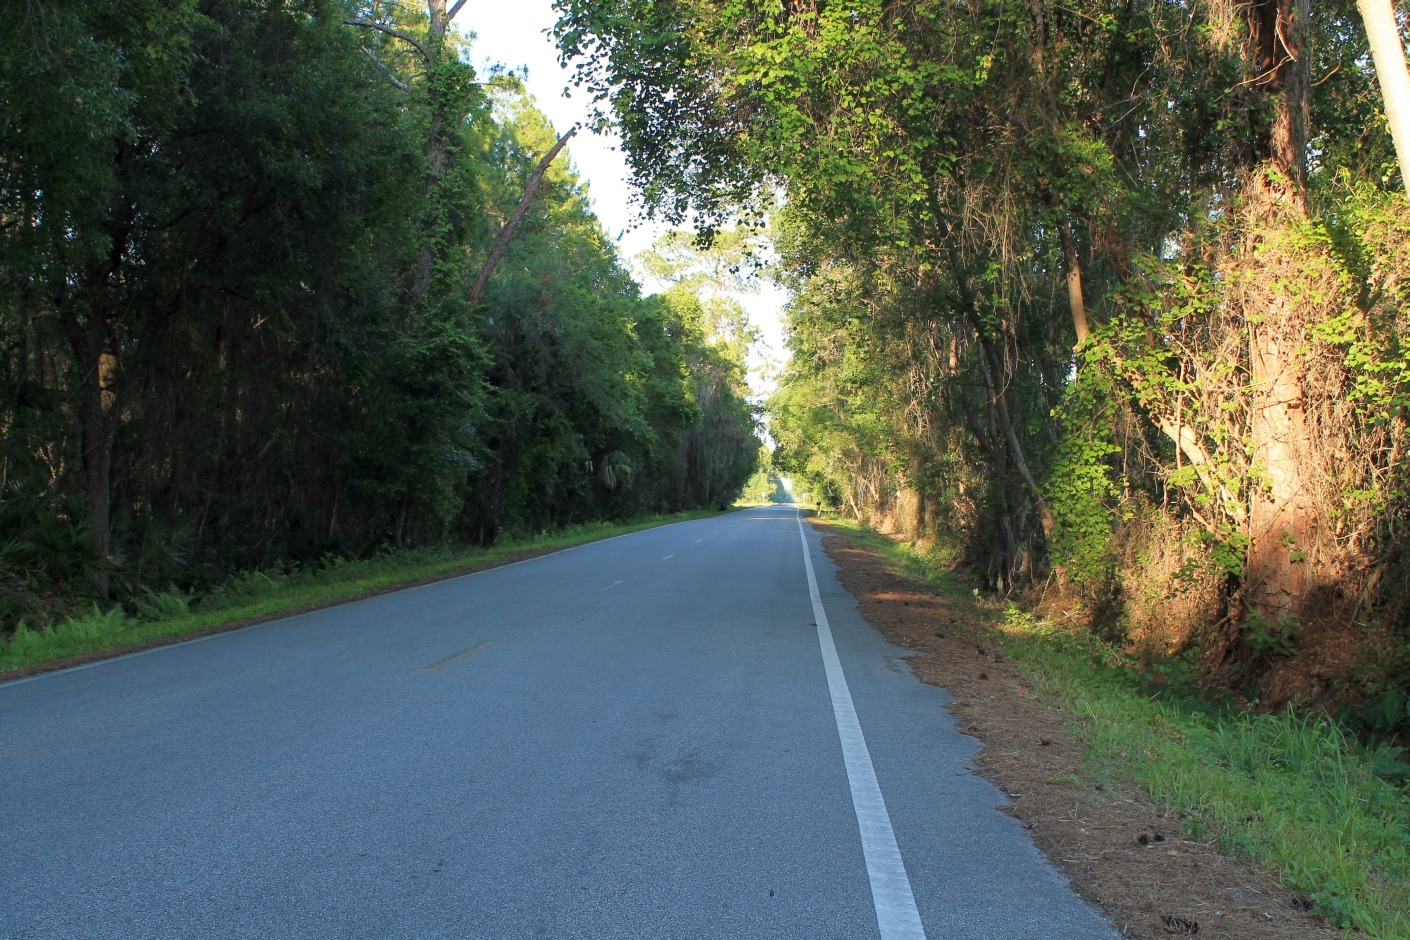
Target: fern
{"x": 163, "y": 605}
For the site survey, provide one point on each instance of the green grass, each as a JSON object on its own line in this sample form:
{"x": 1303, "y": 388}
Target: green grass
{"x": 1293, "y": 792}
{"x": 254, "y": 596}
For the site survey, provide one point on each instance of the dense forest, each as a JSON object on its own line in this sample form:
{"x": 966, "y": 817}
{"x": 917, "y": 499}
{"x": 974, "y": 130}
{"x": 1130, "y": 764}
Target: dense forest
{"x": 286, "y": 279}
{"x": 1105, "y": 300}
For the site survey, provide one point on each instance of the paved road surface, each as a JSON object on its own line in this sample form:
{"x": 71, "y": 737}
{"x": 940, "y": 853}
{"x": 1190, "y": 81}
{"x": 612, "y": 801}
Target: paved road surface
{"x": 637, "y": 738}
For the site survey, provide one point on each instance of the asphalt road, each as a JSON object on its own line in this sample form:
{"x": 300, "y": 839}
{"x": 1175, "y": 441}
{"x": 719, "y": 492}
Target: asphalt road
{"x": 638, "y": 738}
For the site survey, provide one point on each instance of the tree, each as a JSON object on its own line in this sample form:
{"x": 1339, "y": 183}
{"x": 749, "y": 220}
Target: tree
{"x": 89, "y": 94}
{"x": 1388, "y": 52}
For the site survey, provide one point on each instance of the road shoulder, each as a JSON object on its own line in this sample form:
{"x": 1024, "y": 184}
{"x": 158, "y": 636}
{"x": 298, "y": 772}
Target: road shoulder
{"x": 1117, "y": 848}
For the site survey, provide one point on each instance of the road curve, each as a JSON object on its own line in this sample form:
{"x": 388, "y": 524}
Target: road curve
{"x": 638, "y": 738}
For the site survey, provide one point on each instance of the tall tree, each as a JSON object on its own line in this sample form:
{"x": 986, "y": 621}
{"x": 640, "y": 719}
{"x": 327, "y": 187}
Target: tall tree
{"x": 1388, "y": 52}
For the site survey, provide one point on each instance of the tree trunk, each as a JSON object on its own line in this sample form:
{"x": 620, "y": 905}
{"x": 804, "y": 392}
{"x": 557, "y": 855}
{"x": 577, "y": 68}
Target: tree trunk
{"x": 1075, "y": 300}
{"x": 1282, "y": 522}
{"x": 1276, "y": 28}
{"x": 98, "y": 415}
{"x": 997, "y": 385}
{"x": 437, "y": 149}
{"x": 1388, "y": 53}
{"x": 91, "y": 341}
{"x": 996, "y": 378}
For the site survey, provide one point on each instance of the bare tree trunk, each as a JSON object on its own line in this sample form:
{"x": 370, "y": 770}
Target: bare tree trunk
{"x": 437, "y": 152}
{"x": 998, "y": 390}
{"x": 1075, "y": 299}
{"x": 1388, "y": 53}
{"x": 682, "y": 475}
{"x": 436, "y": 149}
{"x": 90, "y": 338}
{"x": 1276, "y": 29}
{"x": 401, "y": 520}
{"x": 1049, "y": 107}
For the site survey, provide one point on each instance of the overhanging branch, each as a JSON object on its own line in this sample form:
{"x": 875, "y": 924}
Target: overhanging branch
{"x": 412, "y": 41}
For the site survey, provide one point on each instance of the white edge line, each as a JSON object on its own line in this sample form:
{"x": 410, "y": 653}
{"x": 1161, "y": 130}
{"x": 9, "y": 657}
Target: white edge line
{"x": 896, "y": 915}
{"x": 9, "y": 683}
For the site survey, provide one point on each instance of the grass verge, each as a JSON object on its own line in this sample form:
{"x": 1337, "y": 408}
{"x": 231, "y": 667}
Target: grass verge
{"x": 1292, "y": 792}
{"x": 252, "y": 597}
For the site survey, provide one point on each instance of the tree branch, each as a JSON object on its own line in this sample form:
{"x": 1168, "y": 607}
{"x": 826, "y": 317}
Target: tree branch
{"x": 501, "y": 241}
{"x": 454, "y": 10}
{"x": 1193, "y": 450}
{"x": 415, "y": 43}
{"x": 391, "y": 77}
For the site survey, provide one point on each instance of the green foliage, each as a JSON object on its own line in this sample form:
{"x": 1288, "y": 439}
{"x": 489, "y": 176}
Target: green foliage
{"x": 951, "y": 215}
{"x": 162, "y": 605}
{"x": 1386, "y": 714}
{"x": 1176, "y": 676}
{"x": 1082, "y": 488}
{"x": 236, "y": 242}
{"x": 1293, "y": 792}
{"x": 946, "y": 206}
{"x": 1269, "y": 639}
{"x": 47, "y": 545}
{"x": 1228, "y": 550}
{"x": 97, "y": 629}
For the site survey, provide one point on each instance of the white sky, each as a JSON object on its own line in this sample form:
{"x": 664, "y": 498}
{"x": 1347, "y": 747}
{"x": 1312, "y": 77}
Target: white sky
{"x": 514, "y": 33}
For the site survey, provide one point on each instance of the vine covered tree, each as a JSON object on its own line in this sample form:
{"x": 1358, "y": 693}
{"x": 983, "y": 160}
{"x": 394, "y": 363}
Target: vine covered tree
{"x": 1101, "y": 292}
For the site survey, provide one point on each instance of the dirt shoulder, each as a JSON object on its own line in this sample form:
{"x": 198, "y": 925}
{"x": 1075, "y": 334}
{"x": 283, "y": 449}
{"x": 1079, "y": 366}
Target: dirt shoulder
{"x": 1120, "y": 852}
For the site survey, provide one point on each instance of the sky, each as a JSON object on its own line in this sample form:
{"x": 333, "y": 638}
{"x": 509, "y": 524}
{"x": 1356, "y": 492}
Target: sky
{"x": 514, "y": 33}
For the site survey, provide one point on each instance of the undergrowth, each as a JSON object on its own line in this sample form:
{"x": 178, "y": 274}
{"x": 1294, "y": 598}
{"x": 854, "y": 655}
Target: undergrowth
{"x": 251, "y": 596}
{"x": 1292, "y": 791}
{"x": 1295, "y": 792}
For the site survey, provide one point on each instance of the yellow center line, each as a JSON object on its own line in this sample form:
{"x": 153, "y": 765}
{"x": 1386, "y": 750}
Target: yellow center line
{"x": 442, "y": 663}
